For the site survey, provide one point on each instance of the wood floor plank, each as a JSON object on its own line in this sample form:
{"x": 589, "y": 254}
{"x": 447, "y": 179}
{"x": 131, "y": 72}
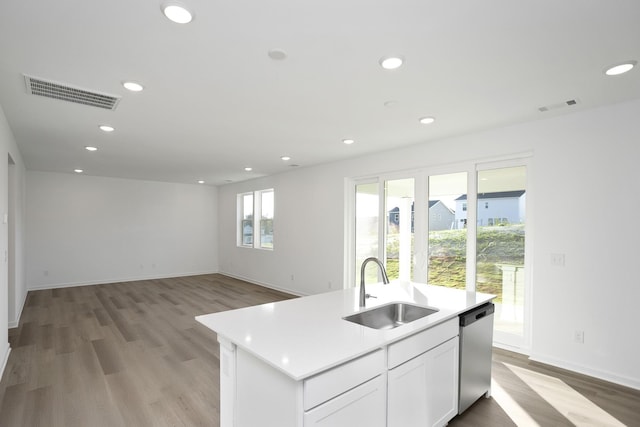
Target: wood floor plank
{"x": 132, "y": 354}
{"x": 129, "y": 400}
{"x": 13, "y": 405}
{"x": 38, "y": 408}
{"x": 109, "y": 356}
{"x": 64, "y": 340}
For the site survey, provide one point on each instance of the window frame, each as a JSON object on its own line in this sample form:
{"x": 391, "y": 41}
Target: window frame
{"x": 263, "y": 220}
{"x": 256, "y": 219}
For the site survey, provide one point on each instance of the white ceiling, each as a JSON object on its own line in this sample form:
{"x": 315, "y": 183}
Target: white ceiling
{"x": 214, "y": 102}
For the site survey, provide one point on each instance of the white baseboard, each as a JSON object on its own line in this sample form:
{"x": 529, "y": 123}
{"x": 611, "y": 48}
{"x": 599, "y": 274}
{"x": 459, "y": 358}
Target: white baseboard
{"x": 16, "y": 322}
{"x": 585, "y": 370}
{"x": 5, "y": 359}
{"x": 513, "y": 349}
{"x": 263, "y": 284}
{"x": 120, "y": 280}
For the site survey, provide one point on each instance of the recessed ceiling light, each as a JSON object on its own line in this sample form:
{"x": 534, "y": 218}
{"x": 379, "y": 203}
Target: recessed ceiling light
{"x": 248, "y": 169}
{"x": 391, "y": 62}
{"x": 91, "y": 148}
{"x": 177, "y": 13}
{"x": 78, "y": 170}
{"x": 200, "y": 182}
{"x": 107, "y": 128}
{"x": 132, "y": 86}
{"x": 427, "y": 120}
{"x": 277, "y": 54}
{"x": 348, "y": 141}
{"x": 285, "y": 158}
{"x": 620, "y": 68}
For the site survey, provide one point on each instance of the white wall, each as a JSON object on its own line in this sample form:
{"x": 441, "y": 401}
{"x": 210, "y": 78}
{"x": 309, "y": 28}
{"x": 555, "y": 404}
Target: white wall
{"x": 13, "y": 290}
{"x": 86, "y": 230}
{"x": 583, "y": 167}
{"x": 308, "y": 233}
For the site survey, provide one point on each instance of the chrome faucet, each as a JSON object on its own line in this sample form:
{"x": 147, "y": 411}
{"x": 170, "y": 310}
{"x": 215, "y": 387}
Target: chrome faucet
{"x": 385, "y": 279}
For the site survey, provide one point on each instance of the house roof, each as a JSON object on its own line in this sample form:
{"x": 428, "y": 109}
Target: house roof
{"x": 496, "y": 195}
{"x": 431, "y": 204}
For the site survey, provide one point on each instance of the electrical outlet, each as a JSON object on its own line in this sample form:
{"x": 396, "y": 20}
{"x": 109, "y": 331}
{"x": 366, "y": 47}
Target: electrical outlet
{"x": 557, "y": 260}
{"x": 578, "y": 336}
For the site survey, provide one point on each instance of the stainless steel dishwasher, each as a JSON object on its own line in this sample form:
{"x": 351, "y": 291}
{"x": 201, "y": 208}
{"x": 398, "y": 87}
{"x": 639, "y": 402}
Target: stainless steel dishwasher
{"x": 476, "y": 338}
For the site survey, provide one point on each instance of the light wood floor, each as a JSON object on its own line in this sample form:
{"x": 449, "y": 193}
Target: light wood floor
{"x": 131, "y": 354}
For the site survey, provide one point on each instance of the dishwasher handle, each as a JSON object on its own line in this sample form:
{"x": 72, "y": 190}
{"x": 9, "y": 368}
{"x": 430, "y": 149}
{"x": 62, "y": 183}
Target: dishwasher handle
{"x": 476, "y": 314}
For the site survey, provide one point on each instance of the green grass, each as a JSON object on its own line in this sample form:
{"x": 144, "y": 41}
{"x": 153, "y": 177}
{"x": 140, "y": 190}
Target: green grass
{"x": 447, "y": 260}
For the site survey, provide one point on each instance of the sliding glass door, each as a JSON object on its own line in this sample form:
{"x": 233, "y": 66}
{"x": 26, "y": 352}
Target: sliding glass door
{"x": 500, "y": 243}
{"x": 464, "y": 229}
{"x": 384, "y": 228}
{"x": 367, "y": 227}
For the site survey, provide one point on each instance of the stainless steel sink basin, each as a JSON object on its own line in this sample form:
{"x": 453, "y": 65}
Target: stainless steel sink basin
{"x": 390, "y": 316}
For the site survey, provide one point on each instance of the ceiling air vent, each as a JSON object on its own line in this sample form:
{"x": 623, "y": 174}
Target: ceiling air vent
{"x": 36, "y": 86}
{"x": 558, "y": 105}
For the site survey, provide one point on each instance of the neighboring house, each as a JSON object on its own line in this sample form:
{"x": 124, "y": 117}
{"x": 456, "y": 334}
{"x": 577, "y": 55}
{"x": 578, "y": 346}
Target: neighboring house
{"x": 247, "y": 232}
{"x": 501, "y": 208}
{"x": 394, "y": 219}
{"x": 440, "y": 216}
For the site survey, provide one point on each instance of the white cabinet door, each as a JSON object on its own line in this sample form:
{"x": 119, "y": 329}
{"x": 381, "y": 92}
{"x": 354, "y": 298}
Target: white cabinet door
{"x": 424, "y": 390}
{"x": 407, "y": 398}
{"x": 361, "y": 406}
{"x": 442, "y": 377}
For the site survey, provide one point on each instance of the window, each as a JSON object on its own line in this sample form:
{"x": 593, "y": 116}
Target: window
{"x": 468, "y": 232}
{"x": 266, "y": 219}
{"x": 255, "y": 214}
{"x": 447, "y": 238}
{"x": 246, "y": 219}
{"x": 398, "y": 236}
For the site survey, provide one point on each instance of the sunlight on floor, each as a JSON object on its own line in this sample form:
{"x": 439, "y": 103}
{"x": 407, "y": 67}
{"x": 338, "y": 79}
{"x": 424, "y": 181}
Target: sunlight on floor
{"x": 518, "y": 415}
{"x": 575, "y": 407}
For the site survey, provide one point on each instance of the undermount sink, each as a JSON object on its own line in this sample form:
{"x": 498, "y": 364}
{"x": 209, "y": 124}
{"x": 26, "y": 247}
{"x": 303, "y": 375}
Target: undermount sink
{"x": 390, "y": 316}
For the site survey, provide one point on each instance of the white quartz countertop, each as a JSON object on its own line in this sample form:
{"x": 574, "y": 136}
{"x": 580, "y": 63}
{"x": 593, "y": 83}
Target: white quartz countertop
{"x": 305, "y": 336}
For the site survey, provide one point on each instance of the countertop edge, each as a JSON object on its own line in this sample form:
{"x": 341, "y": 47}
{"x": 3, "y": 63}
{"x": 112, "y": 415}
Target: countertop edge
{"x": 379, "y": 341}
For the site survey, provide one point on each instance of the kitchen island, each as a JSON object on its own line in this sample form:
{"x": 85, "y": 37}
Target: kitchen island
{"x": 298, "y": 363}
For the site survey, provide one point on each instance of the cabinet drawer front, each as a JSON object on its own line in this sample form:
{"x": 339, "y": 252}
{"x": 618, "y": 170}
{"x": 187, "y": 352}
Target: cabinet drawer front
{"x": 335, "y": 381}
{"x": 361, "y": 406}
{"x": 423, "y": 341}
